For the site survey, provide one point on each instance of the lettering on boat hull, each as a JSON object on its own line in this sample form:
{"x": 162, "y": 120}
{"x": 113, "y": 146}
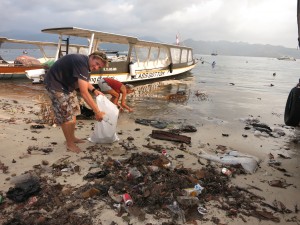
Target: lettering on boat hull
{"x": 147, "y": 75}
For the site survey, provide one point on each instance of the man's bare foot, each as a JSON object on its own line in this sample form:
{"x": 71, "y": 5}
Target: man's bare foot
{"x": 73, "y": 148}
{"x": 77, "y": 140}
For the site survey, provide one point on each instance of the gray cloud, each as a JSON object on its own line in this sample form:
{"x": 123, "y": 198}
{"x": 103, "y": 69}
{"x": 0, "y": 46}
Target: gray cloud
{"x": 252, "y": 21}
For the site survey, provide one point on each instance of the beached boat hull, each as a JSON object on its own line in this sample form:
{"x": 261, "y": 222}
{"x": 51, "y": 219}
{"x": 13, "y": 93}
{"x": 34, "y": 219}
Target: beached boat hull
{"x": 140, "y": 75}
{"x": 12, "y": 70}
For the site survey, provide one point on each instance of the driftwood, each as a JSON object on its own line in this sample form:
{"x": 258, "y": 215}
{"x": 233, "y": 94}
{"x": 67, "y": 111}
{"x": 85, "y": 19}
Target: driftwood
{"x": 165, "y": 135}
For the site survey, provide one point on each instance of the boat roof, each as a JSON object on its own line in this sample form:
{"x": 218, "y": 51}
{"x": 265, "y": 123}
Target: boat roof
{"x": 9, "y": 40}
{"x": 37, "y": 43}
{"x": 103, "y": 36}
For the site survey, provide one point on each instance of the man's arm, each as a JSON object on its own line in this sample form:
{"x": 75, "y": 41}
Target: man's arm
{"x": 123, "y": 99}
{"x": 84, "y": 87}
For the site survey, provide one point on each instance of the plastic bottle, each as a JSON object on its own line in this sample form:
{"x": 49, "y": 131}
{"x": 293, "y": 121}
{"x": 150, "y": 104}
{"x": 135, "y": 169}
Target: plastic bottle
{"x": 195, "y": 191}
{"x": 177, "y": 211}
{"x": 114, "y": 196}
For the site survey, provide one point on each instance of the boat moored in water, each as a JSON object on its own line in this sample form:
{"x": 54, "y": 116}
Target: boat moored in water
{"x": 286, "y": 58}
{"x": 143, "y": 59}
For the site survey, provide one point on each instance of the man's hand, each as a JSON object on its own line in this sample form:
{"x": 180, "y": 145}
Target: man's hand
{"x": 99, "y": 116}
{"x": 97, "y": 92}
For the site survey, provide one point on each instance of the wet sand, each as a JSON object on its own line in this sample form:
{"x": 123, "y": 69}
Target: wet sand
{"x": 19, "y": 111}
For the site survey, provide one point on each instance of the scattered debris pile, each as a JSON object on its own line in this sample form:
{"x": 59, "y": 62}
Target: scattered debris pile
{"x": 142, "y": 184}
{"x": 262, "y": 129}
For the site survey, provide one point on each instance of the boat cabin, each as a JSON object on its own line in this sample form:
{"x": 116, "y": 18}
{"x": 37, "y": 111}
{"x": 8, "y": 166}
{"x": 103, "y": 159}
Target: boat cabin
{"x": 131, "y": 59}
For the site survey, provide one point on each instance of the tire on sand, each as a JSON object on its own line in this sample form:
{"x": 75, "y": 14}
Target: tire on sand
{"x": 292, "y": 108}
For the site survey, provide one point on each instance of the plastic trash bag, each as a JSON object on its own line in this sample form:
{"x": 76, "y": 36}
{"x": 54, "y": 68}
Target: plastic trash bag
{"x": 26, "y": 186}
{"x": 105, "y": 131}
{"x": 248, "y": 162}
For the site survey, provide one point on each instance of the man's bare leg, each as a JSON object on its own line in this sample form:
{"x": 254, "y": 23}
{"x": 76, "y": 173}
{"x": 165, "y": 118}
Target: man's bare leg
{"x": 69, "y": 130}
{"x": 76, "y": 140}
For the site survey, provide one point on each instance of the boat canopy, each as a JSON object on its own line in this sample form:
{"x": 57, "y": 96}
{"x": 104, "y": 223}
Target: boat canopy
{"x": 103, "y": 36}
{"x": 38, "y": 43}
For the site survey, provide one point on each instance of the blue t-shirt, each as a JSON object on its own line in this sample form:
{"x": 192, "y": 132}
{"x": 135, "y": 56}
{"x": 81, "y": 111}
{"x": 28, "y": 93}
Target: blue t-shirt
{"x": 63, "y": 75}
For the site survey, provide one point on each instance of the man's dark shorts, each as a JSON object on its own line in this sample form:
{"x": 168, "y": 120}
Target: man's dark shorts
{"x": 65, "y": 105}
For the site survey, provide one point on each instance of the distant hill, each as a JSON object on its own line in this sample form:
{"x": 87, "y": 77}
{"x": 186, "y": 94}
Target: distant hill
{"x": 199, "y": 47}
{"x": 240, "y": 49}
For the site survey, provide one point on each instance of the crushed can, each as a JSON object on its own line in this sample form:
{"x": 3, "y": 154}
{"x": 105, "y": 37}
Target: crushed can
{"x": 226, "y": 172}
{"x": 164, "y": 152}
{"x": 127, "y": 199}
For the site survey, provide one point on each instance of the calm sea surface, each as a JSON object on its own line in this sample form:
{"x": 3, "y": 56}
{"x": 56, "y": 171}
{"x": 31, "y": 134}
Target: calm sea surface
{"x": 237, "y": 87}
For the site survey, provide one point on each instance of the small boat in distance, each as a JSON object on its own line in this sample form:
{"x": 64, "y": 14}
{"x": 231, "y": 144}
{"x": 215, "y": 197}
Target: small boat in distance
{"x": 144, "y": 60}
{"x": 214, "y": 54}
{"x": 287, "y": 58}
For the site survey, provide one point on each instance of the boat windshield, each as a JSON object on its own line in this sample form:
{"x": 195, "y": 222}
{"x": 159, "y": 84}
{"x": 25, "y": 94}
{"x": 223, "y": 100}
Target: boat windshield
{"x": 150, "y": 56}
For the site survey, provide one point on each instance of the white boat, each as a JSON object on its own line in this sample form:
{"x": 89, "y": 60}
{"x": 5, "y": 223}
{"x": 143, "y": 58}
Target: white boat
{"x": 144, "y": 59}
{"x": 16, "y": 68}
{"x": 24, "y": 62}
{"x": 287, "y": 58}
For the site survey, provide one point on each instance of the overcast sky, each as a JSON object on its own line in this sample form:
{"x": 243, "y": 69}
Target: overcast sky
{"x": 252, "y": 21}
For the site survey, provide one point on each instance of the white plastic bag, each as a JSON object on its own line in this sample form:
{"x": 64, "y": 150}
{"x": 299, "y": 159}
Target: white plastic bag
{"x": 105, "y": 131}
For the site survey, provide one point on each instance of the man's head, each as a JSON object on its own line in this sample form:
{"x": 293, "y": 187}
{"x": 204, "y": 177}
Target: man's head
{"x": 97, "y": 60}
{"x": 129, "y": 88}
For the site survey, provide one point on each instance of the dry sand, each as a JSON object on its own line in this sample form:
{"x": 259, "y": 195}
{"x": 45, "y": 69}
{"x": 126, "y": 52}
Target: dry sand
{"x": 17, "y": 136}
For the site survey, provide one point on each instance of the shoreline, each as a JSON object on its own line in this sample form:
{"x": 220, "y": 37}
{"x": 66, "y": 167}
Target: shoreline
{"x": 17, "y": 116}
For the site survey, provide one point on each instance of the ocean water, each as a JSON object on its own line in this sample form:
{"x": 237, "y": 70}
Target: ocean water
{"x": 235, "y": 88}
{"x": 11, "y": 54}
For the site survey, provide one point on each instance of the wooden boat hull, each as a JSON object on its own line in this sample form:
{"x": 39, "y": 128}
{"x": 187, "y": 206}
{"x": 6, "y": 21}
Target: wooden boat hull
{"x": 11, "y": 70}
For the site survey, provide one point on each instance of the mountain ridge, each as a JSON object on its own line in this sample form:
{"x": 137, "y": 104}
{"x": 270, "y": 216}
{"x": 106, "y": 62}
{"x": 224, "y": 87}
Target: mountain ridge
{"x": 199, "y": 47}
{"x": 240, "y": 49}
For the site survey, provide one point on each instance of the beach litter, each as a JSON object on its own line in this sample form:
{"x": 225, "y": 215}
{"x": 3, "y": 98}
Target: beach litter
{"x": 26, "y": 185}
{"x": 165, "y": 135}
{"x": 135, "y": 187}
{"x": 248, "y": 162}
{"x": 154, "y": 123}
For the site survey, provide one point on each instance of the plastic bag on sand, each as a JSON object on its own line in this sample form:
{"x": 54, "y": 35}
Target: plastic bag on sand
{"x": 105, "y": 131}
{"x": 248, "y": 162}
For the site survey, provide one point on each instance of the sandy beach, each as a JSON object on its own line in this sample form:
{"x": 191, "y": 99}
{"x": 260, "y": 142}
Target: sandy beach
{"x": 273, "y": 187}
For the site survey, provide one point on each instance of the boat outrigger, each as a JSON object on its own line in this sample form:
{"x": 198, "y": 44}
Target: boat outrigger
{"x": 141, "y": 60}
